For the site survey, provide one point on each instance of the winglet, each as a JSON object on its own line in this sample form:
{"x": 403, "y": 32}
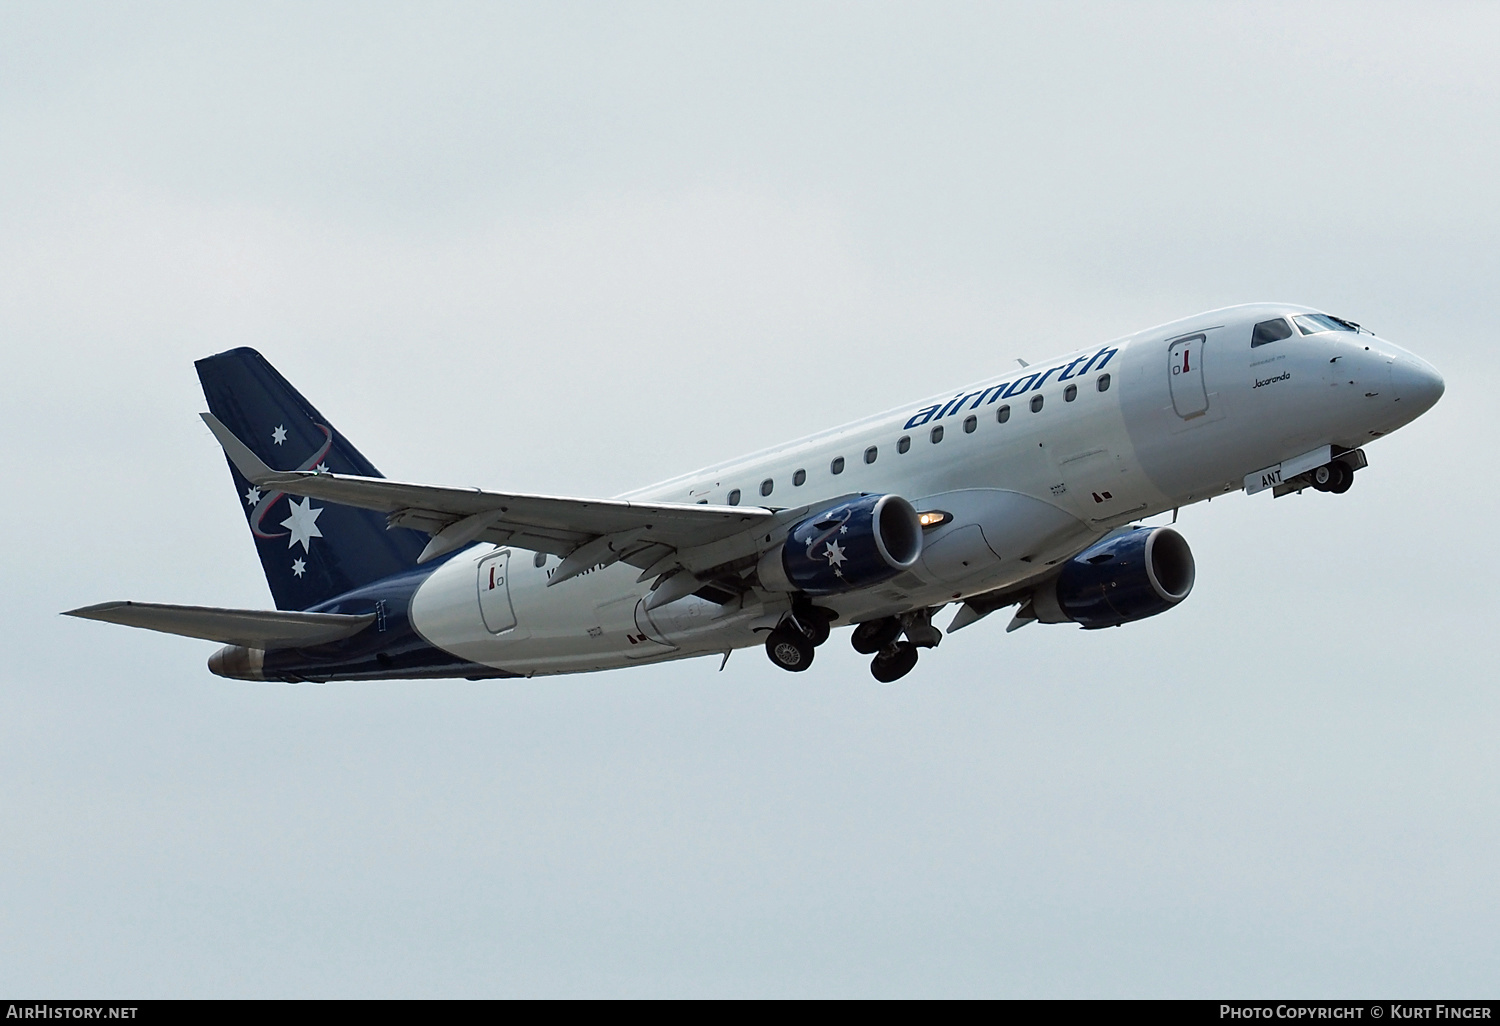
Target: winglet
{"x": 245, "y": 461}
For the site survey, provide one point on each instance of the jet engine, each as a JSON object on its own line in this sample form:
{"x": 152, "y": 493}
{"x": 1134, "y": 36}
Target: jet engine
{"x": 1128, "y": 576}
{"x": 852, "y": 545}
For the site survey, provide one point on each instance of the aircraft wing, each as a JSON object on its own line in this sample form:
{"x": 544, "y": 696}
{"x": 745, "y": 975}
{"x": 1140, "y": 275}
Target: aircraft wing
{"x": 588, "y": 531}
{"x": 252, "y": 628}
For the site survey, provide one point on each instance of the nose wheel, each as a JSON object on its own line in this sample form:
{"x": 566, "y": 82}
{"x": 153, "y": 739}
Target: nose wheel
{"x": 1333, "y": 477}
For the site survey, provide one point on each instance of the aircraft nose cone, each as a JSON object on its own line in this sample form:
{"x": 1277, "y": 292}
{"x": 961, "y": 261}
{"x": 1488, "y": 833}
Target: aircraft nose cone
{"x": 1416, "y": 383}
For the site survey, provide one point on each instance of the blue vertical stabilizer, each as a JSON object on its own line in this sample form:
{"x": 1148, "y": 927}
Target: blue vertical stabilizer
{"x": 311, "y": 551}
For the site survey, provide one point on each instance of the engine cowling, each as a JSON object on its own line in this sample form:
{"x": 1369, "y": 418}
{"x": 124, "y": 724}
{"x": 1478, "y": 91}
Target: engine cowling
{"x": 1126, "y": 577}
{"x": 852, "y": 545}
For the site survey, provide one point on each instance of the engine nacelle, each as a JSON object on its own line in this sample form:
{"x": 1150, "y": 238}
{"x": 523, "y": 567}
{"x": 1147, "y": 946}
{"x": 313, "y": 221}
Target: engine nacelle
{"x": 1126, "y": 577}
{"x": 852, "y": 545}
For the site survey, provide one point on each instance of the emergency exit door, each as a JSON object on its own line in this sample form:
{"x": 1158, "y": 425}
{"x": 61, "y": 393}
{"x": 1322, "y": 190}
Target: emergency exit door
{"x": 494, "y": 593}
{"x": 1185, "y": 376}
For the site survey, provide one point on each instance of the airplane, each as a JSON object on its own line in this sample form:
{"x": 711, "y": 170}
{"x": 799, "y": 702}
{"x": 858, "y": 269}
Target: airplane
{"x": 1025, "y": 490}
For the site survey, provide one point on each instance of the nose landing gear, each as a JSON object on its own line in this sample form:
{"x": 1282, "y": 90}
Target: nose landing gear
{"x": 1333, "y": 477}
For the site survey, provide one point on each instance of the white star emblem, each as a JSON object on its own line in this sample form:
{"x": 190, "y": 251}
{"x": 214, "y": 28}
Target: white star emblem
{"x": 252, "y": 496}
{"x": 303, "y": 523}
{"x": 834, "y": 554}
{"x": 298, "y": 567}
{"x": 279, "y": 435}
{"x": 844, "y": 530}
{"x": 322, "y": 468}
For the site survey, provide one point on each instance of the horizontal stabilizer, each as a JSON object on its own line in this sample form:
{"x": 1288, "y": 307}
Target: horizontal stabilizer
{"x": 250, "y": 628}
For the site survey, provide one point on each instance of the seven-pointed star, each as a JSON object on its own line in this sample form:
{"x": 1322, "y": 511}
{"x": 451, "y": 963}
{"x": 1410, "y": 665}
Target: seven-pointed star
{"x": 298, "y": 567}
{"x": 279, "y": 435}
{"x": 303, "y": 523}
{"x": 252, "y": 496}
{"x": 322, "y": 468}
{"x": 834, "y": 554}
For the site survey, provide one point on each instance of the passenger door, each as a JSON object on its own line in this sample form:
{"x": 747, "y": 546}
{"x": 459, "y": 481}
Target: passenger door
{"x": 494, "y": 592}
{"x": 1185, "y": 376}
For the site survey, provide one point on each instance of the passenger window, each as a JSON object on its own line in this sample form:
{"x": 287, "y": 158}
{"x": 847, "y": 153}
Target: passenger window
{"x": 1104, "y": 382}
{"x": 970, "y": 423}
{"x": 734, "y": 497}
{"x": 539, "y": 560}
{"x": 904, "y": 443}
{"x": 799, "y": 479}
{"x": 1002, "y": 414}
{"x": 766, "y": 486}
{"x": 1036, "y": 404}
{"x": 1270, "y": 331}
{"x": 937, "y": 434}
{"x": 1070, "y": 393}
{"x": 837, "y": 466}
{"x": 871, "y": 453}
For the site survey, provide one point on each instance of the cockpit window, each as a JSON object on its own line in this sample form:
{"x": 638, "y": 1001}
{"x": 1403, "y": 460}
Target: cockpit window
{"x": 1270, "y": 331}
{"x": 1311, "y": 324}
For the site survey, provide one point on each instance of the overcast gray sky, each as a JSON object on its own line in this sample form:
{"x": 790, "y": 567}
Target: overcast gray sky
{"x": 580, "y": 247}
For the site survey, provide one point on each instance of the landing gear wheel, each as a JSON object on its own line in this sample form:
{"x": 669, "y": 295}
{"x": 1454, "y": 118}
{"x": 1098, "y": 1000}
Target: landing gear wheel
{"x": 1344, "y": 477}
{"x": 789, "y": 649}
{"x": 873, "y": 635}
{"x": 1324, "y": 477}
{"x": 889, "y": 668}
{"x": 815, "y": 626}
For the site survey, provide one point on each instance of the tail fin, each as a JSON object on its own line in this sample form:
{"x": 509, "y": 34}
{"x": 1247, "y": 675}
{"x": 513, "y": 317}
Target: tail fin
{"x": 310, "y": 553}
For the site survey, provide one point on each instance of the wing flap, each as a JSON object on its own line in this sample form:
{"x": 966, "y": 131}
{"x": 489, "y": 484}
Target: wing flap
{"x": 251, "y": 628}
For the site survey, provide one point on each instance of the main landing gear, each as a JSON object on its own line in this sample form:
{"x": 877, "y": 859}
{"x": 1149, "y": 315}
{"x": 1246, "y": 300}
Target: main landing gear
{"x": 791, "y": 644}
{"x": 894, "y": 641}
{"x": 895, "y": 658}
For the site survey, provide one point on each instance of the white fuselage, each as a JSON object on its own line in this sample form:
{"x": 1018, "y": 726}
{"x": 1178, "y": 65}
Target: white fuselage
{"x": 1157, "y": 420}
